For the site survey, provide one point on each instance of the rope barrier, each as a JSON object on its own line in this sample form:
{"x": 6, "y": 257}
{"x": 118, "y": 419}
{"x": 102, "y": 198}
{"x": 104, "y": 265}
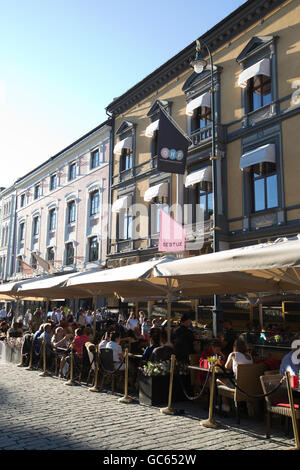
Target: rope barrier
{"x": 197, "y": 396}
{"x": 249, "y": 394}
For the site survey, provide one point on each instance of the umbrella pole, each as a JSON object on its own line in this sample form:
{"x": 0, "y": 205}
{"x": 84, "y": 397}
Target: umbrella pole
{"x": 261, "y": 317}
{"x": 169, "y": 308}
{"x": 95, "y": 308}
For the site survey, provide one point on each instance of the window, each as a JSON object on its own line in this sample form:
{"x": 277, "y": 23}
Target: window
{"x": 36, "y": 226}
{"x": 33, "y": 261}
{"x": 204, "y": 197}
{"x": 93, "y": 249}
{"x": 71, "y": 212}
{"x": 126, "y": 160}
{"x": 50, "y": 253}
{"x": 72, "y": 171}
{"x": 19, "y": 264}
{"x": 154, "y": 143}
{"x": 125, "y": 225}
{"x": 201, "y": 118}
{"x": 53, "y": 182}
{"x": 37, "y": 191}
{"x": 95, "y": 159}
{"x": 69, "y": 253}
{"x": 52, "y": 219}
{"x": 22, "y": 200}
{"x": 155, "y": 216}
{"x": 21, "y": 231}
{"x": 94, "y": 202}
{"x": 259, "y": 92}
{"x": 264, "y": 191}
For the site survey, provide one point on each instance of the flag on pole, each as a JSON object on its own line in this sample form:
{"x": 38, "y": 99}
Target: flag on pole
{"x": 26, "y": 268}
{"x": 43, "y": 263}
{"x": 172, "y": 146}
{"x": 172, "y": 234}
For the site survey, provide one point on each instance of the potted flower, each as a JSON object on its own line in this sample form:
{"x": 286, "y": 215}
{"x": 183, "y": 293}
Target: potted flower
{"x": 154, "y": 382}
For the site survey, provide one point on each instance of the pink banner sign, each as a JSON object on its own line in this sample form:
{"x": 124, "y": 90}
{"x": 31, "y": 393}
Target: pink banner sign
{"x": 172, "y": 234}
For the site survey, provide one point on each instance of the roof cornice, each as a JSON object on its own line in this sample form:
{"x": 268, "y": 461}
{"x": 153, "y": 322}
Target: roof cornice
{"x": 230, "y": 27}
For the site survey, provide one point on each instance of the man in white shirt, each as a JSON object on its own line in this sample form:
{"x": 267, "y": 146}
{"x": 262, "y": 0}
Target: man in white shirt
{"x": 118, "y": 356}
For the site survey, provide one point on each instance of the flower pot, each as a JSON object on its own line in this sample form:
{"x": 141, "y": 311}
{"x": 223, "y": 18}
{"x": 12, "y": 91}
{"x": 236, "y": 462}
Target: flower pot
{"x": 154, "y": 390}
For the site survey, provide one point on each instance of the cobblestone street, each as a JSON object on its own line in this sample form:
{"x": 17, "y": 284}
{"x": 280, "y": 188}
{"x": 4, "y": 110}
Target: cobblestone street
{"x": 41, "y": 413}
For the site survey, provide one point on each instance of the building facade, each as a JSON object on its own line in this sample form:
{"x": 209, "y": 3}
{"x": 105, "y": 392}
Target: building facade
{"x": 256, "y": 93}
{"x": 7, "y": 231}
{"x": 60, "y": 213}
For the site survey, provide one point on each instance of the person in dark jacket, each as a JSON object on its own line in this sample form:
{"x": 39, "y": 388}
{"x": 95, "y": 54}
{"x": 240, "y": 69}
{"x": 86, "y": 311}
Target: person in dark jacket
{"x": 184, "y": 339}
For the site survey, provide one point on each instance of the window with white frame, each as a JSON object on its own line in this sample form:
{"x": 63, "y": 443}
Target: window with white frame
{"x": 52, "y": 219}
{"x": 94, "y": 201}
{"x": 93, "y": 248}
{"x": 53, "y": 182}
{"x": 36, "y": 226}
{"x": 72, "y": 171}
{"x": 71, "y": 212}
{"x": 69, "y": 253}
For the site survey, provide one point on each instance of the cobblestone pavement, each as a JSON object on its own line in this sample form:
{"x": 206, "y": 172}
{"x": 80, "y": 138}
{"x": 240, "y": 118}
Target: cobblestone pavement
{"x": 41, "y": 413}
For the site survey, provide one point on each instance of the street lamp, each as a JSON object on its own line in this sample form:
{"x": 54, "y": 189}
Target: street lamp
{"x": 199, "y": 64}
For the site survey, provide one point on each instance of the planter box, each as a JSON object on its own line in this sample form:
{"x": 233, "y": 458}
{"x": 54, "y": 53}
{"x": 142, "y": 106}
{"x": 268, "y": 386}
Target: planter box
{"x": 155, "y": 390}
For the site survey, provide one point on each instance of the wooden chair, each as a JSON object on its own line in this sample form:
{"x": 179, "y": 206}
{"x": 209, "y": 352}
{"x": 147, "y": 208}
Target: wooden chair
{"x": 278, "y": 402}
{"x": 247, "y": 379}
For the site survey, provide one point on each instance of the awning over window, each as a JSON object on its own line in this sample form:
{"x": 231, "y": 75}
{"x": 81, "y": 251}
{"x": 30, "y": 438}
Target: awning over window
{"x": 122, "y": 203}
{"x": 123, "y": 144}
{"x": 160, "y": 190}
{"x": 205, "y": 174}
{"x": 202, "y": 100}
{"x": 154, "y": 126}
{"x": 263, "y": 67}
{"x": 266, "y": 153}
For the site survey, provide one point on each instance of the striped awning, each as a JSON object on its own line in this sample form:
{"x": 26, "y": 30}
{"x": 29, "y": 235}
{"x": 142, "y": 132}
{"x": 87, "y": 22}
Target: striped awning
{"x": 205, "y": 174}
{"x": 159, "y": 190}
{"x": 122, "y": 203}
{"x": 123, "y": 144}
{"x": 154, "y": 126}
{"x": 263, "y": 67}
{"x": 202, "y": 100}
{"x": 266, "y": 153}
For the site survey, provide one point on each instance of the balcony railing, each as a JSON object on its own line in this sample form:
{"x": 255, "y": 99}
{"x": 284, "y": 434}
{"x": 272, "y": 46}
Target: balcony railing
{"x": 201, "y": 135}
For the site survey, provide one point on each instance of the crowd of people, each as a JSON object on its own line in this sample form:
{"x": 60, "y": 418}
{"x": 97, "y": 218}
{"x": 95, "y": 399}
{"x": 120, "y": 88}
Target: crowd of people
{"x": 63, "y": 332}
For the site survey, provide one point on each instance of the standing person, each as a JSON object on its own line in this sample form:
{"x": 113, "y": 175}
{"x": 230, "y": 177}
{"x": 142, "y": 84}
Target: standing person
{"x": 290, "y": 362}
{"x": 121, "y": 318}
{"x": 132, "y": 322}
{"x": 89, "y": 318}
{"x": 2, "y": 314}
{"x": 184, "y": 339}
{"x": 36, "y": 321}
{"x": 141, "y": 317}
{"x": 78, "y": 342}
{"x": 27, "y": 318}
{"x": 82, "y": 318}
{"x": 229, "y": 337}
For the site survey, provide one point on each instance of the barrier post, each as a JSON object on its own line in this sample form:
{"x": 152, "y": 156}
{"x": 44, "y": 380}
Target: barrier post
{"x": 45, "y": 373}
{"x": 126, "y": 398}
{"x": 95, "y": 388}
{"x": 31, "y": 356}
{"x": 169, "y": 410}
{"x": 210, "y": 422}
{"x": 291, "y": 401}
{"x": 71, "y": 382}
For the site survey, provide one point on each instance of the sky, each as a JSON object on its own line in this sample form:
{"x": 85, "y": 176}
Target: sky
{"x": 63, "y": 61}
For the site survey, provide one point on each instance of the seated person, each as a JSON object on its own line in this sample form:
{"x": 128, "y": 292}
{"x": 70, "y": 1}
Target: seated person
{"x": 214, "y": 349}
{"x": 239, "y": 355}
{"x": 15, "y": 331}
{"x": 154, "y": 343}
{"x": 61, "y": 342}
{"x": 164, "y": 351}
{"x": 3, "y": 329}
{"x": 290, "y": 362}
{"x": 118, "y": 355}
{"x": 78, "y": 342}
{"x": 105, "y": 339}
